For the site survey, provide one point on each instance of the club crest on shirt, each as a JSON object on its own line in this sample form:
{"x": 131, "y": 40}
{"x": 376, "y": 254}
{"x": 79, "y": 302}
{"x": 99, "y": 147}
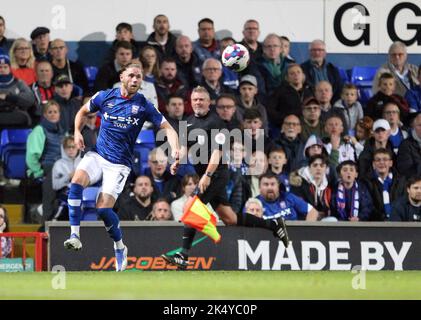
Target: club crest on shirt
{"x": 135, "y": 108}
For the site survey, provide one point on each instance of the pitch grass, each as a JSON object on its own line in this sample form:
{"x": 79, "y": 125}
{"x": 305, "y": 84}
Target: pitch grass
{"x": 212, "y": 285}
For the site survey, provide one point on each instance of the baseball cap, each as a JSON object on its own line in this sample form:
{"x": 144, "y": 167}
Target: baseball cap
{"x": 4, "y": 59}
{"x": 62, "y": 79}
{"x": 310, "y": 100}
{"x": 381, "y": 124}
{"x": 39, "y": 31}
{"x": 248, "y": 78}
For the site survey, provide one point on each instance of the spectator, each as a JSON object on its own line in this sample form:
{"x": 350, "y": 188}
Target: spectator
{"x": 175, "y": 111}
{"x": 384, "y": 184}
{"x": 339, "y": 148}
{"x": 5, "y": 43}
{"x": 43, "y": 149}
{"x": 237, "y": 188}
{"x": 5, "y": 242}
{"x": 363, "y": 132}
{"x": 161, "y": 211}
{"x": 62, "y": 65}
{"x": 168, "y": 84}
{"x": 212, "y": 79}
{"x": 64, "y": 168}
{"x": 230, "y": 77}
{"x": 277, "y": 203}
{"x": 162, "y": 39}
{"x": 254, "y": 206}
{"x": 391, "y": 113}
{"x": 226, "y": 106}
{"x": 324, "y": 94}
{"x": 255, "y": 138}
{"x": 408, "y": 207}
{"x": 312, "y": 124}
{"x": 272, "y": 65}
{"x": 124, "y": 32}
{"x": 248, "y": 99}
{"x": 387, "y": 84}
{"x": 413, "y": 96}
{"x": 188, "y": 185}
{"x": 68, "y": 106}
{"x": 188, "y": 64}
{"x": 139, "y": 203}
{"x": 165, "y": 184}
{"x": 277, "y": 160}
{"x": 251, "y": 33}
{"x": 312, "y": 185}
{"x": 43, "y": 88}
{"x": 258, "y": 166}
{"x": 318, "y": 69}
{"x": 291, "y": 143}
{"x": 40, "y": 42}
{"x": 351, "y": 200}
{"x": 206, "y": 46}
{"x": 15, "y": 98}
{"x": 285, "y": 48}
{"x": 150, "y": 62}
{"x": 404, "y": 73}
{"x": 89, "y": 130}
{"x": 22, "y": 61}
{"x": 409, "y": 154}
{"x": 380, "y": 140}
{"x": 289, "y": 96}
{"x": 350, "y": 107}
{"x": 108, "y": 74}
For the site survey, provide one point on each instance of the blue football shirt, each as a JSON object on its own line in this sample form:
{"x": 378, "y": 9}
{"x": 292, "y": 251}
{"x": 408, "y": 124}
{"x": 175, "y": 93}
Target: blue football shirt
{"x": 288, "y": 205}
{"x": 121, "y": 121}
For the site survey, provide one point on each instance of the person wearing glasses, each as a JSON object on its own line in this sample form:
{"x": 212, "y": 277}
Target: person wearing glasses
{"x": 22, "y": 61}
{"x": 398, "y": 134}
{"x": 404, "y": 73}
{"x": 62, "y": 65}
{"x": 317, "y": 68}
{"x": 226, "y": 108}
{"x": 384, "y": 184}
{"x": 212, "y": 79}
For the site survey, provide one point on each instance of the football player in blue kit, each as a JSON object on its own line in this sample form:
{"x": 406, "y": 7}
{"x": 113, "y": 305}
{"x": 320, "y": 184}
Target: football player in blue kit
{"x": 123, "y": 111}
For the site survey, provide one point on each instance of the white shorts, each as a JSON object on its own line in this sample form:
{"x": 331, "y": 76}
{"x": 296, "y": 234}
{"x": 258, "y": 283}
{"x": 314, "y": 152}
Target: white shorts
{"x": 113, "y": 175}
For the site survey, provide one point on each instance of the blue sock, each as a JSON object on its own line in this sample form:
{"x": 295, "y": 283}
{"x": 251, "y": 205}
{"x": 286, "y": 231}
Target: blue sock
{"x": 74, "y": 201}
{"x": 112, "y": 223}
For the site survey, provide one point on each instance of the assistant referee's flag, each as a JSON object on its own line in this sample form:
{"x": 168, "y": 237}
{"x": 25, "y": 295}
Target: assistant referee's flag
{"x": 198, "y": 216}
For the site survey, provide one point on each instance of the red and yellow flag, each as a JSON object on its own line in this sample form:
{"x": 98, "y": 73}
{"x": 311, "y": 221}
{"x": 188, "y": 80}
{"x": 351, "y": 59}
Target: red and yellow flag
{"x": 197, "y": 215}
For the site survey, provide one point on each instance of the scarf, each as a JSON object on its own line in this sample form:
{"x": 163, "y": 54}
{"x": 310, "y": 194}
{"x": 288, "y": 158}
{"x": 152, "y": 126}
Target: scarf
{"x": 387, "y": 184}
{"x": 341, "y": 201}
{"x": 6, "y": 80}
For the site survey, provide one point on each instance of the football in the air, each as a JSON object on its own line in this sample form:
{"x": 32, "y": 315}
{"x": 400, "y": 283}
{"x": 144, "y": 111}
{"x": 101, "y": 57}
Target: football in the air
{"x": 236, "y": 57}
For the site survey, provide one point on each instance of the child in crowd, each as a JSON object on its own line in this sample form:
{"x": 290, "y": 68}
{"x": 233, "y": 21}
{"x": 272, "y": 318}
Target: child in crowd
{"x": 350, "y": 107}
{"x": 277, "y": 160}
{"x": 363, "y": 132}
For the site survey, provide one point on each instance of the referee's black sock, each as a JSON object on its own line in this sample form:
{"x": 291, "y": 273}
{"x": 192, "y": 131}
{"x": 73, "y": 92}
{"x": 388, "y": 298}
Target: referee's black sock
{"x": 251, "y": 221}
{"x": 188, "y": 237}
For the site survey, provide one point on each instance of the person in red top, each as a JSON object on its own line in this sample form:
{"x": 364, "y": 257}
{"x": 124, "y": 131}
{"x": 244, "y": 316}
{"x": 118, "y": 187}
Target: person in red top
{"x": 23, "y": 61}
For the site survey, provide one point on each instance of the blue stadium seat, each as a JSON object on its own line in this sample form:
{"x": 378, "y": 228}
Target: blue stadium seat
{"x": 13, "y": 151}
{"x": 91, "y": 72}
{"x": 146, "y": 138}
{"x": 145, "y": 142}
{"x": 365, "y": 95}
{"x": 344, "y": 75}
{"x": 363, "y": 76}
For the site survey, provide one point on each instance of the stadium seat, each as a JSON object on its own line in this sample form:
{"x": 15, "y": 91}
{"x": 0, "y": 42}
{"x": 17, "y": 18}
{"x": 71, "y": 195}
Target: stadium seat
{"x": 13, "y": 151}
{"x": 363, "y": 76}
{"x": 91, "y": 72}
{"x": 344, "y": 75}
{"x": 146, "y": 138}
{"x": 365, "y": 95}
{"x": 145, "y": 142}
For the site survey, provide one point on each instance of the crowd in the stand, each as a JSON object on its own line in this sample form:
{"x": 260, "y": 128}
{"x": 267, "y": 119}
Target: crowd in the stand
{"x": 350, "y": 161}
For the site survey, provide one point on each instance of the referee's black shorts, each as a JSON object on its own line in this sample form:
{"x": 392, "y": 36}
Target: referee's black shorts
{"x": 216, "y": 193}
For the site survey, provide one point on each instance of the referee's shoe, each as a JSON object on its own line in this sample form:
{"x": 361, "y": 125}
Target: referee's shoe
{"x": 281, "y": 231}
{"x": 179, "y": 260}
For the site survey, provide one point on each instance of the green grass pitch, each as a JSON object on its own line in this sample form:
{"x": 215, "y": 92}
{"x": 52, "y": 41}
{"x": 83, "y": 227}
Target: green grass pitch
{"x": 212, "y": 285}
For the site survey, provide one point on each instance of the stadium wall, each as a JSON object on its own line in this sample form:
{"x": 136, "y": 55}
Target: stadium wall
{"x": 355, "y": 32}
{"x": 314, "y": 246}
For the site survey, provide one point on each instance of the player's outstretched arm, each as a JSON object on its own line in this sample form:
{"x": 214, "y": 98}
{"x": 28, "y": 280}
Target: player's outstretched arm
{"x": 312, "y": 215}
{"x": 175, "y": 148}
{"x": 79, "y": 122}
